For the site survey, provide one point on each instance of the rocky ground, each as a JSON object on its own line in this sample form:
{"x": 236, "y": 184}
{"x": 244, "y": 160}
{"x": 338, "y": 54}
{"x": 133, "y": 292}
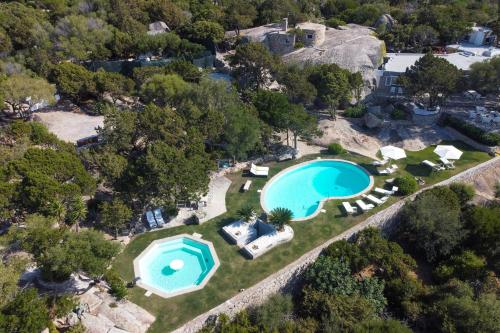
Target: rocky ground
{"x": 70, "y": 126}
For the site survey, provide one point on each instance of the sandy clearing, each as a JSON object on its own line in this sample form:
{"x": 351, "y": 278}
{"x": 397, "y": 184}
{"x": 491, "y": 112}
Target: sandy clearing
{"x": 70, "y": 126}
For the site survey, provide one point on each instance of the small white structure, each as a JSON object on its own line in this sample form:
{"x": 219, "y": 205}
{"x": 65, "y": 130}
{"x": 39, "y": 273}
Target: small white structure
{"x": 364, "y": 207}
{"x": 348, "y": 208}
{"x": 246, "y": 187}
{"x": 432, "y": 165}
{"x": 266, "y": 242}
{"x": 375, "y": 200}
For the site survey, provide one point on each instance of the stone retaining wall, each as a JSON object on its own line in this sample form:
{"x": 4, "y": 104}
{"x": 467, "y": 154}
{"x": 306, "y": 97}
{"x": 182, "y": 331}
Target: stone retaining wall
{"x": 287, "y": 278}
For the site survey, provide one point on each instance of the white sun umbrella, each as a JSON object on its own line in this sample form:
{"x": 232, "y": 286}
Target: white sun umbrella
{"x": 448, "y": 152}
{"x": 392, "y": 152}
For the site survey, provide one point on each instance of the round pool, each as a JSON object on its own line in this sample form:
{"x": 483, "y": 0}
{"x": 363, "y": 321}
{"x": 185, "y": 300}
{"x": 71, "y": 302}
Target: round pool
{"x": 175, "y": 265}
{"x": 304, "y": 187}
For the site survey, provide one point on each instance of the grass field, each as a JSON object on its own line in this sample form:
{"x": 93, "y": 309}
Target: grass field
{"x": 236, "y": 271}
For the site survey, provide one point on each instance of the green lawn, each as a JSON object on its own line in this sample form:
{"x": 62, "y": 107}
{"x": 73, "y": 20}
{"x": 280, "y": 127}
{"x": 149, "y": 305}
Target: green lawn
{"x": 235, "y": 271}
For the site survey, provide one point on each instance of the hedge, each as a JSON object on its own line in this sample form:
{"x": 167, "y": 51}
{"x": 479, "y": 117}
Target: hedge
{"x": 473, "y": 132}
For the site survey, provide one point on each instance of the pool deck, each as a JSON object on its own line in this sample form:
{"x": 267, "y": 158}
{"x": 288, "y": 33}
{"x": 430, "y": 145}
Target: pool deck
{"x": 320, "y": 206}
{"x": 161, "y": 293}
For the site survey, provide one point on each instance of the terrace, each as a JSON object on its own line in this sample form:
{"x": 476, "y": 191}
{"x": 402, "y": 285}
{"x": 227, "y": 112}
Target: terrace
{"x": 237, "y": 272}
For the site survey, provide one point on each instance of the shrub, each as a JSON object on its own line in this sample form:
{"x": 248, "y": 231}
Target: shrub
{"x": 298, "y": 45}
{"x": 116, "y": 284}
{"x": 398, "y": 114}
{"x": 334, "y": 22}
{"x": 335, "y": 149}
{"x": 489, "y": 139}
{"x": 406, "y": 184}
{"x": 356, "y": 111}
{"x": 464, "y": 192}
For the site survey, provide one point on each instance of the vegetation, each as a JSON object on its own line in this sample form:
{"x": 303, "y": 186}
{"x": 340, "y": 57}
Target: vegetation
{"x": 356, "y": 111}
{"x": 406, "y": 184}
{"x": 354, "y": 286}
{"x": 307, "y": 235}
{"x": 476, "y": 133}
{"x": 280, "y": 217}
{"x": 335, "y": 149}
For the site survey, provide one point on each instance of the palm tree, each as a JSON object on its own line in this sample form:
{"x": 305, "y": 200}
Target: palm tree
{"x": 246, "y": 213}
{"x": 77, "y": 212}
{"x": 57, "y": 209}
{"x": 280, "y": 217}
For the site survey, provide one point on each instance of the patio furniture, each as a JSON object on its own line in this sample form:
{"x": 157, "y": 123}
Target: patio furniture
{"x": 386, "y": 192}
{"x": 348, "y": 208}
{"x": 259, "y": 170}
{"x": 363, "y": 206}
{"x": 246, "y": 187}
{"x": 433, "y": 166}
{"x": 158, "y": 217}
{"x": 447, "y": 163}
{"x": 151, "y": 220}
{"x": 374, "y": 199}
{"x": 379, "y": 163}
{"x": 390, "y": 180}
{"x": 389, "y": 170}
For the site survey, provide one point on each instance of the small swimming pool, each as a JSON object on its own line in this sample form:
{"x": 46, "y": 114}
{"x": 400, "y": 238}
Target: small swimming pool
{"x": 304, "y": 187}
{"x": 176, "y": 265}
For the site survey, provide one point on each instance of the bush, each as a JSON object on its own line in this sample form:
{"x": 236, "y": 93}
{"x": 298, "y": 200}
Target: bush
{"x": 117, "y": 285}
{"x": 334, "y": 22}
{"x": 406, "y": 185}
{"x": 464, "y": 192}
{"x": 335, "y": 149}
{"x": 398, "y": 114}
{"x": 298, "y": 45}
{"x": 489, "y": 139}
{"x": 356, "y": 111}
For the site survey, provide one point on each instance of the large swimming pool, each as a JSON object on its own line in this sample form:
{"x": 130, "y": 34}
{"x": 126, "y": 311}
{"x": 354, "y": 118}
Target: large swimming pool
{"x": 175, "y": 265}
{"x": 303, "y": 188}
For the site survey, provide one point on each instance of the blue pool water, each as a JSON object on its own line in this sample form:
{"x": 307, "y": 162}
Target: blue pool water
{"x": 156, "y": 271}
{"x": 303, "y": 188}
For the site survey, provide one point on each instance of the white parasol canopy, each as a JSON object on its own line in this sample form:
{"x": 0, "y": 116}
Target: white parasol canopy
{"x": 448, "y": 152}
{"x": 394, "y": 153}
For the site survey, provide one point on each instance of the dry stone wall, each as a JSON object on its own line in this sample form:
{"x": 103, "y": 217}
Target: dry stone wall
{"x": 286, "y": 279}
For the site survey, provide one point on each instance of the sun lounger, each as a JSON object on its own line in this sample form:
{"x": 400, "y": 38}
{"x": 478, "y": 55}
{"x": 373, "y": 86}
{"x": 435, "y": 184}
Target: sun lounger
{"x": 433, "y": 166}
{"x": 246, "y": 187}
{"x": 386, "y": 192}
{"x": 388, "y": 171}
{"x": 151, "y": 220}
{"x": 447, "y": 163}
{"x": 374, "y": 199}
{"x": 158, "y": 217}
{"x": 383, "y": 172}
{"x": 259, "y": 170}
{"x": 348, "y": 208}
{"x": 364, "y": 207}
{"x": 390, "y": 180}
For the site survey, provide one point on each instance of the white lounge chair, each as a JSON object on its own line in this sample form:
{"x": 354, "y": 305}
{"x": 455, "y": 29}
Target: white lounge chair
{"x": 390, "y": 180}
{"x": 386, "y": 192}
{"x": 433, "y": 166}
{"x": 348, "y": 208}
{"x": 374, "y": 199}
{"x": 447, "y": 163}
{"x": 364, "y": 207}
{"x": 246, "y": 187}
{"x": 259, "y": 170}
{"x": 389, "y": 170}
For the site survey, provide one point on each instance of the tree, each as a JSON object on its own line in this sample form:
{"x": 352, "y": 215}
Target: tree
{"x": 10, "y": 272}
{"x": 115, "y": 215}
{"x": 431, "y": 224}
{"x": 253, "y": 65}
{"x": 21, "y": 92}
{"x": 332, "y": 84}
{"x": 246, "y": 213}
{"x": 272, "y": 314}
{"x": 297, "y": 87}
{"x": 27, "y": 312}
{"x": 406, "y": 184}
{"x": 185, "y": 69}
{"x": 381, "y": 326}
{"x": 82, "y": 38}
{"x": 206, "y": 32}
{"x": 356, "y": 82}
{"x": 241, "y": 132}
{"x": 274, "y": 109}
{"x": 239, "y": 14}
{"x": 114, "y": 84}
{"x": 301, "y": 123}
{"x": 164, "y": 89}
{"x": 464, "y": 192}
{"x": 433, "y": 76}
{"x": 77, "y": 212}
{"x": 280, "y": 217}
{"x": 485, "y": 76}
{"x": 465, "y": 266}
{"x": 74, "y": 81}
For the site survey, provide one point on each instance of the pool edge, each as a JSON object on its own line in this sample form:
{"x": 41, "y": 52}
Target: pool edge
{"x": 320, "y": 206}
{"x": 158, "y": 292}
